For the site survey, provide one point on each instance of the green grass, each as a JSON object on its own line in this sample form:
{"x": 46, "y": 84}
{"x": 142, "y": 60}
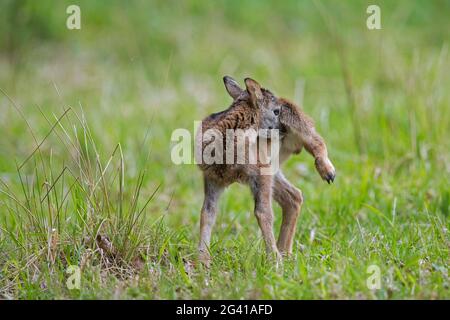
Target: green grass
{"x": 101, "y": 104}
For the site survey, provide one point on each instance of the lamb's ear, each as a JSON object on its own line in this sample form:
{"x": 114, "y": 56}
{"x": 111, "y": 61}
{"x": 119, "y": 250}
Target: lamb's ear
{"x": 293, "y": 118}
{"x": 254, "y": 90}
{"x": 232, "y": 87}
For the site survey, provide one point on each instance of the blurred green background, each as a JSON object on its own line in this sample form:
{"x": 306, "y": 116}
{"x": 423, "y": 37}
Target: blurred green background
{"x": 140, "y": 69}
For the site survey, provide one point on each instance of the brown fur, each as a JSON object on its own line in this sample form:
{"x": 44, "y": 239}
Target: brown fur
{"x": 247, "y": 111}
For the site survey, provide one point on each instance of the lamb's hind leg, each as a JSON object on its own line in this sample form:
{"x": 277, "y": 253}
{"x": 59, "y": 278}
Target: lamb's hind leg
{"x": 290, "y": 199}
{"x": 208, "y": 217}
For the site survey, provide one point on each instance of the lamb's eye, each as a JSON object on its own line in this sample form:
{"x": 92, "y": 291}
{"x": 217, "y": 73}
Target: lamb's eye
{"x": 276, "y": 112}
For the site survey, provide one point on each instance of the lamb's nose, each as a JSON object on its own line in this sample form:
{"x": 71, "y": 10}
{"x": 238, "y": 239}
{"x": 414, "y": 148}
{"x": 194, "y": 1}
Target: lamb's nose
{"x": 270, "y": 128}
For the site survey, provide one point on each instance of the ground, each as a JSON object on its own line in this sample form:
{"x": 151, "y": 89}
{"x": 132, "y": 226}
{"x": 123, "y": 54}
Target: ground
{"x": 87, "y": 179}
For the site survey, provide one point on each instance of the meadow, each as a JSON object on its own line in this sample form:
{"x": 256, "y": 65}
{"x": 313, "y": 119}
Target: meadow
{"x": 87, "y": 183}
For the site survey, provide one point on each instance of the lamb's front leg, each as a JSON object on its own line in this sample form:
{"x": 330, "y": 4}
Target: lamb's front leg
{"x": 262, "y": 192}
{"x": 207, "y": 219}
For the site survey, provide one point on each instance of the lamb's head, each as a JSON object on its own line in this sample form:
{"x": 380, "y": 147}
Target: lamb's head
{"x": 263, "y": 99}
